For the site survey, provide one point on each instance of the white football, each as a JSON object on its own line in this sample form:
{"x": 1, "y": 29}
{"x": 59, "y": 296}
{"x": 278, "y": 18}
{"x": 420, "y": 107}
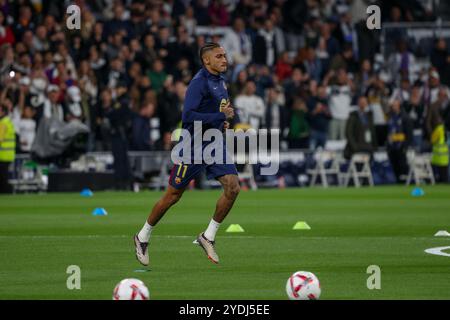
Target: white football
{"x": 303, "y": 285}
{"x": 131, "y": 289}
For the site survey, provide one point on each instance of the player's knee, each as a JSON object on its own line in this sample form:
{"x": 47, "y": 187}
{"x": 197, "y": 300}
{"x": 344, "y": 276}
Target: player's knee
{"x": 173, "y": 197}
{"x": 176, "y": 197}
{"x": 233, "y": 190}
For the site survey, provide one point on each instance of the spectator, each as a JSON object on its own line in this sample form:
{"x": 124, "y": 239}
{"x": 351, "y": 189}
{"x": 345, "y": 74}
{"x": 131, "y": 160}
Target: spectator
{"x": 188, "y": 20}
{"x": 378, "y": 95}
{"x": 403, "y": 92}
{"x": 157, "y": 75}
{"x": 148, "y": 54}
{"x": 399, "y": 139}
{"x": 280, "y": 39}
{"x": 40, "y": 40}
{"x": 402, "y": 62}
{"x": 52, "y": 106}
{"x": 295, "y": 13}
{"x": 116, "y": 73}
{"x": 431, "y": 90}
{"x": 265, "y": 49}
{"x": 319, "y": 116}
{"x": 364, "y": 77}
{"x": 73, "y": 104}
{"x": 263, "y": 80}
{"x": 298, "y": 127}
{"x": 141, "y": 140}
{"x": 26, "y": 128}
{"x": 7, "y": 59}
{"x": 218, "y": 13}
{"x": 24, "y": 21}
{"x": 297, "y": 84}
{"x": 170, "y": 102}
{"x": 415, "y": 109}
{"x": 345, "y": 60}
{"x": 360, "y": 130}
{"x": 348, "y": 31}
{"x": 340, "y": 98}
{"x": 276, "y": 113}
{"x": 180, "y": 50}
{"x": 6, "y": 34}
{"x": 201, "y": 12}
{"x": 249, "y": 107}
{"x": 313, "y": 65}
{"x": 331, "y": 43}
{"x": 440, "y": 59}
{"x": 102, "y": 123}
{"x": 119, "y": 21}
{"x": 238, "y": 45}
{"x": 163, "y": 43}
{"x": 283, "y": 68}
{"x": 237, "y": 86}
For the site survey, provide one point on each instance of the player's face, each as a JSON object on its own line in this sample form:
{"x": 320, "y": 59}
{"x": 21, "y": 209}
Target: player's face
{"x": 217, "y": 60}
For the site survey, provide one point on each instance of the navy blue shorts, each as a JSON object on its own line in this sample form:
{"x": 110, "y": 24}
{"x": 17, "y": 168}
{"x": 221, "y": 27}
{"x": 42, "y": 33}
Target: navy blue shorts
{"x": 182, "y": 174}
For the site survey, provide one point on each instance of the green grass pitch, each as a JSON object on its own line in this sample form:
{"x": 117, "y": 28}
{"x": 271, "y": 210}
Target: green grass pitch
{"x": 41, "y": 235}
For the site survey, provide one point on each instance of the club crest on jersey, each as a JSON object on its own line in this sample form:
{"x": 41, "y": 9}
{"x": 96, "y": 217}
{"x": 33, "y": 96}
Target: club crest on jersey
{"x": 223, "y": 103}
{"x": 177, "y": 180}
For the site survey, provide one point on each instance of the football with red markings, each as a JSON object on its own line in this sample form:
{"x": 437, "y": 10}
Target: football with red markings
{"x": 131, "y": 289}
{"x": 303, "y": 285}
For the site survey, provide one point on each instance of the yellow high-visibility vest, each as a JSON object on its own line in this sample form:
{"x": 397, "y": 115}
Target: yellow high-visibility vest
{"x": 7, "y": 140}
{"x": 440, "y": 148}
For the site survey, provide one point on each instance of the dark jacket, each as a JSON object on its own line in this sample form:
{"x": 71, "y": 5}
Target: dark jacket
{"x": 260, "y": 50}
{"x": 355, "y": 133}
{"x": 140, "y": 138}
{"x": 319, "y": 121}
{"x": 399, "y": 124}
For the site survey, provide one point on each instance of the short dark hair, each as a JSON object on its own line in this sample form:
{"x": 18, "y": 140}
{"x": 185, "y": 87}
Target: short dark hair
{"x": 207, "y": 47}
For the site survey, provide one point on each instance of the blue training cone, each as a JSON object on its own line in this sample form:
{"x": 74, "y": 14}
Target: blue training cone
{"x": 86, "y": 192}
{"x": 99, "y": 212}
{"x": 417, "y": 192}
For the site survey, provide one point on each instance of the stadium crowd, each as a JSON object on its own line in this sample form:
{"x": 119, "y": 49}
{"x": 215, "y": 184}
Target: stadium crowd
{"x": 310, "y": 68}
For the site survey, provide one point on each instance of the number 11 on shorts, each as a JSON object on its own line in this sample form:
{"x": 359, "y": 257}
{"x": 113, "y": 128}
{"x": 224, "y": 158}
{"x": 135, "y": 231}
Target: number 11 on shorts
{"x": 180, "y": 166}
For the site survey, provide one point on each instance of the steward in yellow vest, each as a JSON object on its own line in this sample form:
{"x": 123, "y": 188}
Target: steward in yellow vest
{"x": 7, "y": 148}
{"x": 439, "y": 159}
{"x": 440, "y": 148}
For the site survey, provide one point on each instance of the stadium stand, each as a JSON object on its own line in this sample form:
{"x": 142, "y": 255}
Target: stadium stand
{"x": 114, "y": 89}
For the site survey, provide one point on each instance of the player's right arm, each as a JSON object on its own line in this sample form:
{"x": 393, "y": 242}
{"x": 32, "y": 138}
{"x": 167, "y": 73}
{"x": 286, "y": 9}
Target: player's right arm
{"x": 194, "y": 95}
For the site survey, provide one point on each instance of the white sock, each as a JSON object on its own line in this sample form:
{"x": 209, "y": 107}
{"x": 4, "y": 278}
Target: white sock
{"x": 146, "y": 231}
{"x": 211, "y": 231}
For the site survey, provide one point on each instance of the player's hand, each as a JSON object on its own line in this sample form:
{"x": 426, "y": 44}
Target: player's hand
{"x": 226, "y": 125}
{"x": 228, "y": 111}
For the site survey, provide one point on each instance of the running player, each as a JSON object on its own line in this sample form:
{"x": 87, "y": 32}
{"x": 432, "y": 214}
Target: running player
{"x": 206, "y": 101}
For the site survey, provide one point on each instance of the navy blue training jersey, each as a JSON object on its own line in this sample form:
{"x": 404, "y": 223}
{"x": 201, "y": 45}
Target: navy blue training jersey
{"x": 205, "y": 96}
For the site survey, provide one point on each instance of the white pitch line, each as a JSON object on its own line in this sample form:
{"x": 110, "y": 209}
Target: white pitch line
{"x": 438, "y": 251}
